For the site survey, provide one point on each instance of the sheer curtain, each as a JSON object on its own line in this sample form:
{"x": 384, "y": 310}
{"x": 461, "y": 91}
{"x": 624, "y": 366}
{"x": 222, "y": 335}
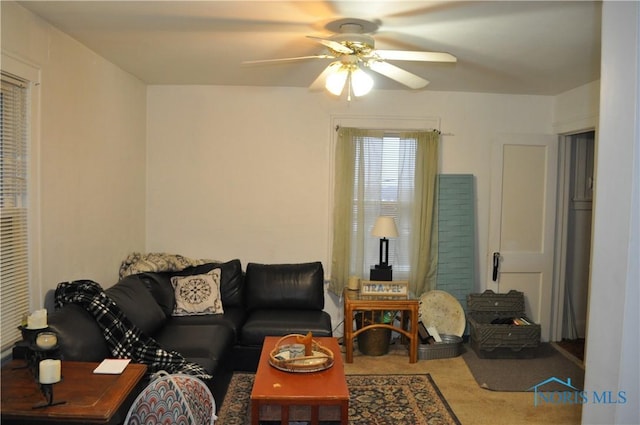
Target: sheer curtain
{"x": 385, "y": 174}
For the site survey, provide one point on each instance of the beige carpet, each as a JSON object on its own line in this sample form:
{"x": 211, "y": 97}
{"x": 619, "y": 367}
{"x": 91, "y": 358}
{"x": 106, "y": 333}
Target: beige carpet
{"x": 470, "y": 403}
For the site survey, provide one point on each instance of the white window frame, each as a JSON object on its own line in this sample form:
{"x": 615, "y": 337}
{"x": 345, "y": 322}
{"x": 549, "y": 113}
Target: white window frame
{"x": 32, "y": 75}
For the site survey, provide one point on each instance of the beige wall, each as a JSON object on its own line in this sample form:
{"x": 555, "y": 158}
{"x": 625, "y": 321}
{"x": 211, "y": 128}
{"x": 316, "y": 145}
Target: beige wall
{"x": 239, "y": 172}
{"x": 232, "y": 171}
{"x": 229, "y": 172}
{"x": 90, "y": 142}
{"x": 577, "y": 109}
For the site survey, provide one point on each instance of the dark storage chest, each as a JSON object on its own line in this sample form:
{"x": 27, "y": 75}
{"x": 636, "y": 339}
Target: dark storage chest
{"x": 501, "y": 340}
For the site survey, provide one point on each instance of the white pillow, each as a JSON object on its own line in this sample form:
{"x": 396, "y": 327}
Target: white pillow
{"x": 197, "y": 294}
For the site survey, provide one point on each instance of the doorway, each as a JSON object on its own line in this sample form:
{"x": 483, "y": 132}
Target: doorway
{"x": 576, "y": 193}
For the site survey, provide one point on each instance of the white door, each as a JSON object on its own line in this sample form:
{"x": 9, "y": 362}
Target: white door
{"x": 522, "y": 221}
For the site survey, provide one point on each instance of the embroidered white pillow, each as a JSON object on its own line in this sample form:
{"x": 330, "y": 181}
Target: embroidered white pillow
{"x": 197, "y": 294}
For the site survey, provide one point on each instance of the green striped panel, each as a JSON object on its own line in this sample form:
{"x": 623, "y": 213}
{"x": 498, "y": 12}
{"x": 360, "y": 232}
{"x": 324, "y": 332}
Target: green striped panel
{"x": 456, "y": 235}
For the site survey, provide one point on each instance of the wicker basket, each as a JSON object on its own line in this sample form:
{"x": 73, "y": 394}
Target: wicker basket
{"x": 321, "y": 358}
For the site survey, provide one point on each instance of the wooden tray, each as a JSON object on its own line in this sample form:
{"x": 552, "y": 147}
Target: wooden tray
{"x": 321, "y": 359}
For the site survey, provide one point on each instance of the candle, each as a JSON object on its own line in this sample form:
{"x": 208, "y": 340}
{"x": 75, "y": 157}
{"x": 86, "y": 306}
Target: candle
{"x": 37, "y": 320}
{"x": 50, "y": 371}
{"x": 46, "y": 340}
{"x": 354, "y": 283}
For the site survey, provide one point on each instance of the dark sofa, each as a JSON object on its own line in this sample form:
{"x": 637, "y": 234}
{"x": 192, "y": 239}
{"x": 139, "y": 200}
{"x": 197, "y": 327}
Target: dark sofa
{"x": 275, "y": 299}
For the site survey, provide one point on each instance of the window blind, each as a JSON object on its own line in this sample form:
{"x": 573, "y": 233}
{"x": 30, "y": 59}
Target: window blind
{"x": 383, "y": 185}
{"x": 13, "y": 208}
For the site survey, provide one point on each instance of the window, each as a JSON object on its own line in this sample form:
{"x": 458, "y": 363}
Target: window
{"x": 13, "y": 207}
{"x": 379, "y": 173}
{"x": 383, "y": 185}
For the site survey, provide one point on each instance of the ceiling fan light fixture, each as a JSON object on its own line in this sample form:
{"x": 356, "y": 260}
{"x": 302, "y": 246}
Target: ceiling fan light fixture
{"x": 336, "y": 81}
{"x": 361, "y": 82}
{"x": 353, "y": 48}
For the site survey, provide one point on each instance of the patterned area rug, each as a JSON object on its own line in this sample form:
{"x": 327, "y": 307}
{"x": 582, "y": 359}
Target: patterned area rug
{"x": 374, "y": 400}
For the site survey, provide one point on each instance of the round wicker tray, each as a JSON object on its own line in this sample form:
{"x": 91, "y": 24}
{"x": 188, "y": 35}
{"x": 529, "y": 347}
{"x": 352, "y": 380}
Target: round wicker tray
{"x": 321, "y": 359}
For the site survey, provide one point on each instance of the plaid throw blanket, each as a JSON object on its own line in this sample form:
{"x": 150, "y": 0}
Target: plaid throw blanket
{"x": 123, "y": 338}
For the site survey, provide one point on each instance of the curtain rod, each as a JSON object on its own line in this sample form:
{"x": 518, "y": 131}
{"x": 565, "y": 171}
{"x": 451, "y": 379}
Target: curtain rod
{"x": 404, "y": 130}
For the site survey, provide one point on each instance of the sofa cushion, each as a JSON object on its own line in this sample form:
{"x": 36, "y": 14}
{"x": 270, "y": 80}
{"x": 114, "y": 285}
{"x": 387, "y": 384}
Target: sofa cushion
{"x": 263, "y": 323}
{"x": 137, "y": 304}
{"x": 231, "y": 284}
{"x": 197, "y": 294}
{"x": 233, "y": 317}
{"x": 285, "y": 286}
{"x": 231, "y": 280}
{"x": 209, "y": 342}
{"x": 159, "y": 284}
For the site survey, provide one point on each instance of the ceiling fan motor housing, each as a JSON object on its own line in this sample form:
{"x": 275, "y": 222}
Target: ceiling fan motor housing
{"x": 359, "y": 43}
{"x": 352, "y": 33}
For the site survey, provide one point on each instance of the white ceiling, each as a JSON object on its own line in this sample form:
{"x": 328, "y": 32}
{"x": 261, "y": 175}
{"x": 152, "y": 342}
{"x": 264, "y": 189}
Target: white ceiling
{"x": 519, "y": 47}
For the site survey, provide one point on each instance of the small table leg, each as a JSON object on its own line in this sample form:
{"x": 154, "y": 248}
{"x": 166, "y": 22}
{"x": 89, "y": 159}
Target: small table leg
{"x": 344, "y": 414}
{"x": 315, "y": 414}
{"x": 413, "y": 347}
{"x": 255, "y": 412}
{"x": 348, "y": 333}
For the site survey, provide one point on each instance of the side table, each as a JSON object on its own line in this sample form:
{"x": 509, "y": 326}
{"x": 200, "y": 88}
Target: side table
{"x": 89, "y": 398}
{"x": 354, "y": 301}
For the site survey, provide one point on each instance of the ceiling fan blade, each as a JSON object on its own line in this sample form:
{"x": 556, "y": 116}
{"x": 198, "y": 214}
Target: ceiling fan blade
{"x": 406, "y": 55}
{"x": 398, "y": 74}
{"x": 299, "y": 58}
{"x": 318, "y": 83}
{"x": 333, "y": 45}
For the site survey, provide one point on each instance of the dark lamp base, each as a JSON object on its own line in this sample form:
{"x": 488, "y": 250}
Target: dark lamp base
{"x": 385, "y": 274}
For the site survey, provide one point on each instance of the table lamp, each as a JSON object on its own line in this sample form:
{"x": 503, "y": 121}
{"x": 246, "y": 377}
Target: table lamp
{"x": 384, "y": 228}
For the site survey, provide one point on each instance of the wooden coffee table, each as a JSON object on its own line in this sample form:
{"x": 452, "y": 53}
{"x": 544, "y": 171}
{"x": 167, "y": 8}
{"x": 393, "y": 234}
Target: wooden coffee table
{"x": 89, "y": 398}
{"x": 300, "y": 396}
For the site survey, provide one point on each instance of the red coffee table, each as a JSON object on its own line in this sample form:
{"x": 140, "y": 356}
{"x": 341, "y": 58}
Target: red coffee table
{"x": 300, "y": 396}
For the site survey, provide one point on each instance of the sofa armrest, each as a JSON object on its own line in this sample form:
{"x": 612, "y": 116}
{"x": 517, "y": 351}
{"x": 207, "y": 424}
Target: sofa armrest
{"x": 79, "y": 336}
{"x": 285, "y": 286}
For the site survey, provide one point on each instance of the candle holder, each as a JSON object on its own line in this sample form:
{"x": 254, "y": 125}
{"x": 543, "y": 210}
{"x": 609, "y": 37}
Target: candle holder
{"x": 46, "y": 341}
{"x": 37, "y": 345}
{"x": 29, "y": 335}
{"x": 35, "y": 355}
{"x": 47, "y": 390}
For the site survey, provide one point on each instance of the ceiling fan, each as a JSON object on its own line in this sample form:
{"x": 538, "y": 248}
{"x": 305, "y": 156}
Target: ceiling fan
{"x": 354, "y": 48}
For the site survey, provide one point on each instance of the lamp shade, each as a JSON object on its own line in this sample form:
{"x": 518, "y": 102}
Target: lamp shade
{"x": 336, "y": 81}
{"x": 385, "y": 227}
{"x": 361, "y": 83}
